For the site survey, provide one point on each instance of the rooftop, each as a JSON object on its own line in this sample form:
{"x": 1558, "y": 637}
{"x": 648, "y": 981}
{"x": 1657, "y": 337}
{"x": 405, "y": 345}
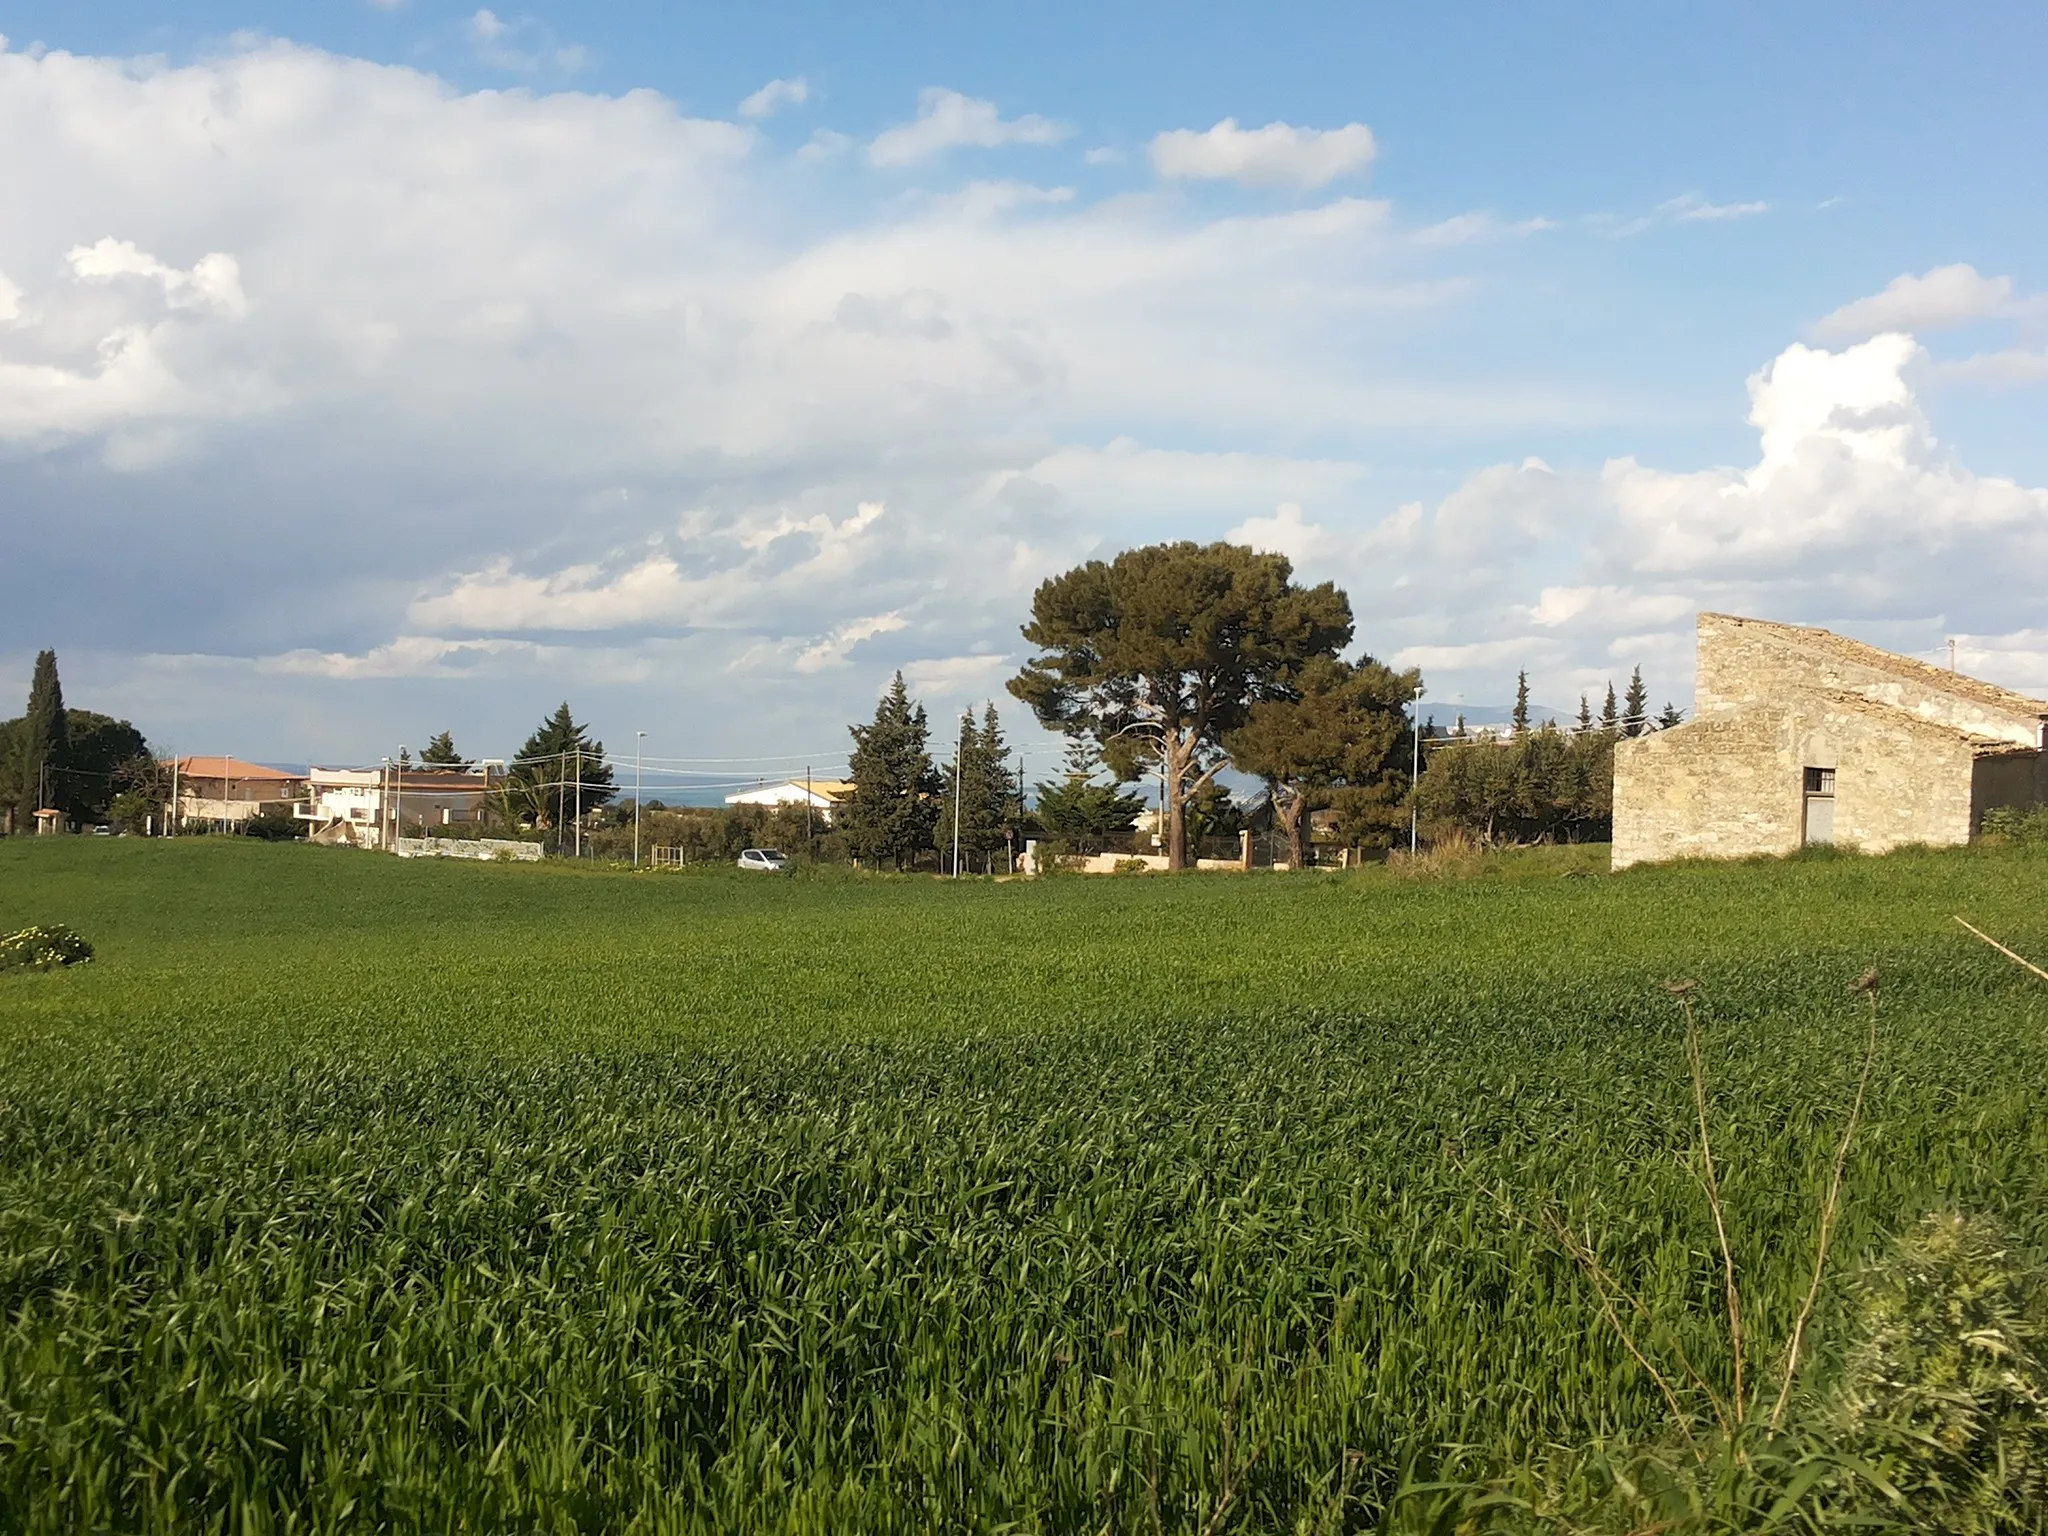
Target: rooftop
{"x": 1905, "y": 668}
{"x": 234, "y": 768}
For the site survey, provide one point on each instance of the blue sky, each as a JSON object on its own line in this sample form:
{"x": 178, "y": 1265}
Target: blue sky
{"x": 530, "y": 363}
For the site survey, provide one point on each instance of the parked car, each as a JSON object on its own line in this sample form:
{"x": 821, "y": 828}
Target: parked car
{"x": 767, "y": 860}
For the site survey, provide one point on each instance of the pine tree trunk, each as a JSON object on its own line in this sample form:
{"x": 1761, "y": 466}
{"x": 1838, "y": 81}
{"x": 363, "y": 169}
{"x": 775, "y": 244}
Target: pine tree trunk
{"x": 1175, "y": 754}
{"x": 1294, "y": 822}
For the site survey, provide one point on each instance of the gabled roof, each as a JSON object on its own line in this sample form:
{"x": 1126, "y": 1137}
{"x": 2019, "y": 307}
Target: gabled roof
{"x": 1906, "y": 668}
{"x": 235, "y": 768}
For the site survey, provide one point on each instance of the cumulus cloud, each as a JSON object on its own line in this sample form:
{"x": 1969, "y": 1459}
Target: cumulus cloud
{"x": 1852, "y": 515}
{"x": 1277, "y": 155}
{"x": 948, "y": 120}
{"x": 1935, "y": 300}
{"x": 774, "y": 96}
{"x": 366, "y": 387}
{"x": 214, "y": 281}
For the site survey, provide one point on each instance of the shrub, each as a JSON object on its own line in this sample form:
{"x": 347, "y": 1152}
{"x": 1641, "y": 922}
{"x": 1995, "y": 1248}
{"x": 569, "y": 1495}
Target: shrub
{"x": 1452, "y": 854}
{"x": 273, "y": 824}
{"x": 45, "y": 948}
{"x": 1945, "y": 1391}
{"x": 2011, "y": 824}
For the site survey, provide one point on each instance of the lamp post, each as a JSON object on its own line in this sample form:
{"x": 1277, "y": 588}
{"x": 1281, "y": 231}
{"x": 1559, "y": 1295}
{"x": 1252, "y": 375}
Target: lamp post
{"x": 384, "y": 800}
{"x": 398, "y": 794}
{"x": 638, "y": 738}
{"x": 1415, "y": 772}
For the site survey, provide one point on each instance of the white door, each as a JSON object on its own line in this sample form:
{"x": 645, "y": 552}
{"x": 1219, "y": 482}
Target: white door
{"x": 1820, "y": 818}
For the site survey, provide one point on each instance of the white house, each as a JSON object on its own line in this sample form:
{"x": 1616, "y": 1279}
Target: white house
{"x": 361, "y": 804}
{"x": 821, "y": 794}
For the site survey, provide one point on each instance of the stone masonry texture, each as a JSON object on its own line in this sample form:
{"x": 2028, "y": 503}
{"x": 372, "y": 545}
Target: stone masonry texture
{"x": 1918, "y": 754}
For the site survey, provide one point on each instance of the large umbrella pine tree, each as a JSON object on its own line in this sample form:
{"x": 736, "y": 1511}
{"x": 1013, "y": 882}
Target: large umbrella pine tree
{"x": 1337, "y": 726}
{"x": 1161, "y": 652}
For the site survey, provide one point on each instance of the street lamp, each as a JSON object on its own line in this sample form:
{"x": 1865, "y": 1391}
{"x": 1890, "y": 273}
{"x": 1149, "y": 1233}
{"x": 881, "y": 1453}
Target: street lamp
{"x": 638, "y": 738}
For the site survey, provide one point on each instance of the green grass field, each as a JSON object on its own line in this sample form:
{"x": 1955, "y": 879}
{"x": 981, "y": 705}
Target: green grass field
{"x": 340, "y": 1193}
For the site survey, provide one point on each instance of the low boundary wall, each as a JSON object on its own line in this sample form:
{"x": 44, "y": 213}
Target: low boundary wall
{"x": 467, "y": 848}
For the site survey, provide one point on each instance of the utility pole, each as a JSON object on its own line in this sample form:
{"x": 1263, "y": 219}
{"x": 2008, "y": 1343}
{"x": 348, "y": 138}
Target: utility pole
{"x": 579, "y": 801}
{"x": 959, "y": 751}
{"x": 384, "y": 802}
{"x": 398, "y": 794}
{"x": 1415, "y": 772}
{"x": 171, "y": 811}
{"x": 638, "y": 738}
{"x": 810, "y": 833}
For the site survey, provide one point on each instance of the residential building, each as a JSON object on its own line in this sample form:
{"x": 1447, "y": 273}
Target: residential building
{"x": 360, "y": 804}
{"x": 1802, "y": 736}
{"x": 822, "y": 794}
{"x": 226, "y": 789}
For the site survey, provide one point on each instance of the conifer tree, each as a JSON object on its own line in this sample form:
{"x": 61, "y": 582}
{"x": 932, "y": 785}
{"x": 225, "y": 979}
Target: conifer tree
{"x": 1522, "y": 703}
{"x": 1585, "y": 714}
{"x": 1610, "y": 712}
{"x": 983, "y": 793}
{"x": 1669, "y": 717}
{"x": 1635, "y": 706}
{"x": 893, "y": 810}
{"x": 1081, "y": 810}
{"x": 441, "y": 753}
{"x": 541, "y": 785}
{"x": 41, "y": 747}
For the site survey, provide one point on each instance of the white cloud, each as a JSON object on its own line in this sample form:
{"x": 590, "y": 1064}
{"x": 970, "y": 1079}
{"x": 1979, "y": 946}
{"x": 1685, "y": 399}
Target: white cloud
{"x": 1277, "y": 155}
{"x": 1852, "y": 515}
{"x": 948, "y": 120}
{"x": 554, "y": 389}
{"x": 954, "y": 682}
{"x": 1478, "y": 228}
{"x": 1934, "y": 300}
{"x": 2010, "y": 365}
{"x": 214, "y": 281}
{"x": 522, "y": 46}
{"x": 774, "y": 96}
{"x": 1694, "y": 209}
{"x": 835, "y": 648}
{"x": 1687, "y": 208}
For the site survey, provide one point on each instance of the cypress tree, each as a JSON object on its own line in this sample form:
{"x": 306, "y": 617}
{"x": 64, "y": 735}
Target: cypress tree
{"x": 1635, "y": 706}
{"x": 1522, "y": 703}
{"x": 1585, "y": 714}
{"x": 42, "y": 746}
{"x": 893, "y": 810}
{"x": 1610, "y": 712}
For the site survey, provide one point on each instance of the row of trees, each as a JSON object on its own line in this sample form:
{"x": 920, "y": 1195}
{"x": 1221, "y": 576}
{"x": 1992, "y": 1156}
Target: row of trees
{"x": 74, "y": 761}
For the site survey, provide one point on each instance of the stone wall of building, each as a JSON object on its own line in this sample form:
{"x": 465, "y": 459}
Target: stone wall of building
{"x": 1732, "y": 784}
{"x": 1746, "y": 662}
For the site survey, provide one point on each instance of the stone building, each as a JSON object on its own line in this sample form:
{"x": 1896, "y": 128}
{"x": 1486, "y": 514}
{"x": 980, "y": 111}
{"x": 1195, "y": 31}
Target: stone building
{"x": 1801, "y": 736}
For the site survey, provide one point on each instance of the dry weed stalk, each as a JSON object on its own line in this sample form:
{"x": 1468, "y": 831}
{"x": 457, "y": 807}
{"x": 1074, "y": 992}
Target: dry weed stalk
{"x": 1683, "y": 990}
{"x": 2017, "y": 959}
{"x": 1830, "y": 1209}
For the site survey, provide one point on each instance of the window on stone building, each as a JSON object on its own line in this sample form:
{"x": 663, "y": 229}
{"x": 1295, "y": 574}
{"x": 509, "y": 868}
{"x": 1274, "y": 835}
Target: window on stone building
{"x": 1820, "y": 781}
